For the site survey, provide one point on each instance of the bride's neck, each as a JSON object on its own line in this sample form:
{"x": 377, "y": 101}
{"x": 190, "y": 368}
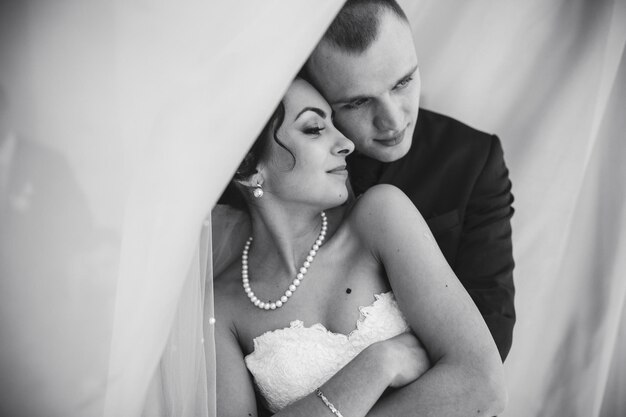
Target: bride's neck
{"x": 283, "y": 238}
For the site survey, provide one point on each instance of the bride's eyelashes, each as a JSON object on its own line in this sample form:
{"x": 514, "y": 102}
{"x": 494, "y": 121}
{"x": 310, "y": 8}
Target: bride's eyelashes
{"x": 313, "y": 130}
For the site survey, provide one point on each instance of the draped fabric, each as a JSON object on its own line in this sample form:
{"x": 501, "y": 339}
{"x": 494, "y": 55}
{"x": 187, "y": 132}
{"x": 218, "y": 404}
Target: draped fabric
{"x": 550, "y": 79}
{"x": 219, "y": 82}
{"x": 128, "y": 118}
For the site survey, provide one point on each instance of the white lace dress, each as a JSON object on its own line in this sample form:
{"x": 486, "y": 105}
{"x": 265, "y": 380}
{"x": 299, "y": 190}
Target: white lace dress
{"x": 290, "y": 363}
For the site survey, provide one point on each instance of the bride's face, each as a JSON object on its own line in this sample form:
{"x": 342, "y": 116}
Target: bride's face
{"x": 312, "y": 168}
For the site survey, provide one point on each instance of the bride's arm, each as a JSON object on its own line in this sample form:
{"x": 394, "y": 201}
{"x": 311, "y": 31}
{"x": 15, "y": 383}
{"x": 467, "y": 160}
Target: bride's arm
{"x": 467, "y": 376}
{"x": 353, "y": 390}
{"x": 234, "y": 389}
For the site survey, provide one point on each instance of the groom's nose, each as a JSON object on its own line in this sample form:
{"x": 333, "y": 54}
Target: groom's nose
{"x": 389, "y": 114}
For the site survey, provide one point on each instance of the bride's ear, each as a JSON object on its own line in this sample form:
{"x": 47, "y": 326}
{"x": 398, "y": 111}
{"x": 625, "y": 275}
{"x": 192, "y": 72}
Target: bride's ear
{"x": 253, "y": 182}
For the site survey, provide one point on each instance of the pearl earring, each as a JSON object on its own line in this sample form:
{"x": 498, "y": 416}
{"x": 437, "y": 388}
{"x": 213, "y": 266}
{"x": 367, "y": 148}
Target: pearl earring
{"x": 258, "y": 191}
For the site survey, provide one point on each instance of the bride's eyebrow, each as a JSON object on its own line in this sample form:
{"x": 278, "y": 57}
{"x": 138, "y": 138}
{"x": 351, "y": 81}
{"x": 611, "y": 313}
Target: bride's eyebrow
{"x": 317, "y": 110}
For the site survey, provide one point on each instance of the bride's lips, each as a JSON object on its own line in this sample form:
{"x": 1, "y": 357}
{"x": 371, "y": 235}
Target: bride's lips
{"x": 392, "y": 140}
{"x": 340, "y": 170}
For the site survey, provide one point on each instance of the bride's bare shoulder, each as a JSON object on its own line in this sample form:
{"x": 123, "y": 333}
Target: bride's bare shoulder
{"x": 377, "y": 209}
{"x": 380, "y": 201}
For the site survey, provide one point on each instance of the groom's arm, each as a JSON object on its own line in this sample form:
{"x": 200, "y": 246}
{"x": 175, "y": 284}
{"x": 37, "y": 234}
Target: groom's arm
{"x": 484, "y": 261}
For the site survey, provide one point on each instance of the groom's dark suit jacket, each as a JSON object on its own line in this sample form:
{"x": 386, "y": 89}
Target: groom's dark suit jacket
{"x": 456, "y": 177}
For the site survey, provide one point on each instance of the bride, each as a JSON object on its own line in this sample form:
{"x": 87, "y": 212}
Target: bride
{"x": 344, "y": 309}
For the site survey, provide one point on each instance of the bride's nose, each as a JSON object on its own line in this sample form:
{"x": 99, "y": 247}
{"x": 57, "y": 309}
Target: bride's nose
{"x": 343, "y": 146}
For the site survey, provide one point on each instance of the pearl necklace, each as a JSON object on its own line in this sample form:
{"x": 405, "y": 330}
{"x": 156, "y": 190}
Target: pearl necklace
{"x": 273, "y": 305}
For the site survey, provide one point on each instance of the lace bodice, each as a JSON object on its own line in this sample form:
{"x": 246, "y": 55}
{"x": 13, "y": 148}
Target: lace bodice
{"x": 288, "y": 364}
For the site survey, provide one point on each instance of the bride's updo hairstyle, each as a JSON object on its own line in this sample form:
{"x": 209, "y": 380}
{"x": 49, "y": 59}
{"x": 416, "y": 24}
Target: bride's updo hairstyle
{"x": 237, "y": 194}
{"x": 257, "y": 153}
{"x": 259, "y": 148}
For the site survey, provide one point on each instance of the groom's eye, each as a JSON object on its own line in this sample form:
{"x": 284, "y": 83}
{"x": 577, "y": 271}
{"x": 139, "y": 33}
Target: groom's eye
{"x": 404, "y": 82}
{"x": 356, "y": 103}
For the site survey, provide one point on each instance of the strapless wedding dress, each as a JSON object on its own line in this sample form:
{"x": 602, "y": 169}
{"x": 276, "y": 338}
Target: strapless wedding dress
{"x": 290, "y": 363}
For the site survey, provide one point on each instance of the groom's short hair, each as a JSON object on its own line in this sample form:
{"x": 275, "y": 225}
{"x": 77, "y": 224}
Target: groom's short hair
{"x": 356, "y": 25}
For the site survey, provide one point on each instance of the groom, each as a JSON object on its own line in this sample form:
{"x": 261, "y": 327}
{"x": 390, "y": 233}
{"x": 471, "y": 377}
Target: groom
{"x": 366, "y": 67}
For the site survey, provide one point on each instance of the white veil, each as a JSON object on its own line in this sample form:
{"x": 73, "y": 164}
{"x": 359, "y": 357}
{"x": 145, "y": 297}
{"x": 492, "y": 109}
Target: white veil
{"x": 184, "y": 382}
{"x": 179, "y": 386}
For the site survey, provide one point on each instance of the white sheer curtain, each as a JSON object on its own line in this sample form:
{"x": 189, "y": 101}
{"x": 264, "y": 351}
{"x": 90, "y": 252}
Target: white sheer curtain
{"x": 140, "y": 112}
{"x": 61, "y": 201}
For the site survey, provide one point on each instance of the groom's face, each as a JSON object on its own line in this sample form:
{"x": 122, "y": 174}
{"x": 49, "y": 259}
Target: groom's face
{"x": 374, "y": 94}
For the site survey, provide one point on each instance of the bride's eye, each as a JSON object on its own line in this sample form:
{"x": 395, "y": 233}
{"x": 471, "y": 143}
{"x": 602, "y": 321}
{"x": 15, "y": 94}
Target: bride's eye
{"x": 313, "y": 130}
